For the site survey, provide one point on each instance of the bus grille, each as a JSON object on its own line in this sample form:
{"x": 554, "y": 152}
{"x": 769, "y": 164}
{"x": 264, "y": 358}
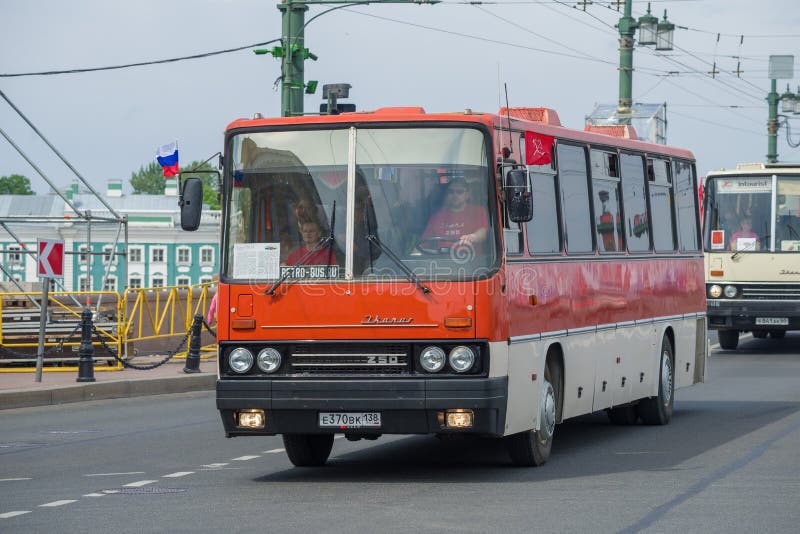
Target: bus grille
{"x": 359, "y": 359}
{"x": 771, "y": 291}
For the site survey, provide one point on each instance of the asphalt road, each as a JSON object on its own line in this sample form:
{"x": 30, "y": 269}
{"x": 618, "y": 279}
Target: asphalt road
{"x": 728, "y": 462}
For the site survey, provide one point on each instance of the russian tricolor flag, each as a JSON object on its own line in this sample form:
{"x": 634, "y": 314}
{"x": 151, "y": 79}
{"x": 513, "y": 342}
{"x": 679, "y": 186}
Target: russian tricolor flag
{"x": 167, "y": 156}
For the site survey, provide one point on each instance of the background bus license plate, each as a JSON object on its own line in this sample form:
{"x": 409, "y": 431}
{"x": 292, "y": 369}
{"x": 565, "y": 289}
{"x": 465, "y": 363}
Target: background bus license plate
{"x": 350, "y": 420}
{"x": 780, "y": 321}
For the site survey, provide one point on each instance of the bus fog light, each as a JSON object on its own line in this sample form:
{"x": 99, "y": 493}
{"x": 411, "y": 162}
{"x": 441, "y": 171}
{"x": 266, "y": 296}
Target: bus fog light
{"x": 459, "y": 418}
{"x": 432, "y": 359}
{"x": 269, "y": 360}
{"x": 240, "y": 360}
{"x": 462, "y": 359}
{"x": 715, "y": 291}
{"x": 250, "y": 418}
{"x": 730, "y": 291}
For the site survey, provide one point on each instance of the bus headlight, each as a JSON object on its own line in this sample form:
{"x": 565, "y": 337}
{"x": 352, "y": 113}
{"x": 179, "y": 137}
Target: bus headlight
{"x": 715, "y": 291}
{"x": 730, "y": 291}
{"x": 269, "y": 360}
{"x": 432, "y": 359}
{"x": 462, "y": 359}
{"x": 240, "y": 360}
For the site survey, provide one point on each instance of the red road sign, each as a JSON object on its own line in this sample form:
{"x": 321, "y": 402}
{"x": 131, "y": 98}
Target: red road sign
{"x": 50, "y": 263}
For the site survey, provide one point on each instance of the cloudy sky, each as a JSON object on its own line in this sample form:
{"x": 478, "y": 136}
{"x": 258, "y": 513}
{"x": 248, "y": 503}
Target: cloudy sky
{"x": 445, "y": 57}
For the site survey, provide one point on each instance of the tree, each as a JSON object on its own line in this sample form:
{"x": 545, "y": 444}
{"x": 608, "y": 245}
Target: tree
{"x": 150, "y": 180}
{"x": 15, "y": 184}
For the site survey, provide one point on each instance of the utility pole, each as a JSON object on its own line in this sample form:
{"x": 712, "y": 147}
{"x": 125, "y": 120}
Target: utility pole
{"x": 780, "y": 67}
{"x": 293, "y": 52}
{"x": 651, "y": 32}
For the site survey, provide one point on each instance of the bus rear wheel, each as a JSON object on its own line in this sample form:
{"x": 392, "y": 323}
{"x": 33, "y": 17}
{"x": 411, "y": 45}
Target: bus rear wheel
{"x": 532, "y": 447}
{"x": 658, "y": 410}
{"x": 728, "y": 339}
{"x": 308, "y": 450}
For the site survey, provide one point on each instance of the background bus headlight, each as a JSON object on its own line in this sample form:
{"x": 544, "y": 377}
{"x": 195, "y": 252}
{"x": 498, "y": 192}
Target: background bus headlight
{"x": 240, "y": 360}
{"x": 432, "y": 359}
{"x": 268, "y": 360}
{"x": 715, "y": 291}
{"x": 730, "y": 291}
{"x": 462, "y": 359}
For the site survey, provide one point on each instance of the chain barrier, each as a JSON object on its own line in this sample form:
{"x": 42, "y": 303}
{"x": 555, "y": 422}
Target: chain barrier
{"x": 210, "y": 331}
{"x": 124, "y": 363}
{"x": 56, "y": 348}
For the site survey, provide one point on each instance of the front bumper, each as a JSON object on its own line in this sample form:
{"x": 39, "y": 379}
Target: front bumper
{"x": 740, "y": 314}
{"x": 408, "y": 406}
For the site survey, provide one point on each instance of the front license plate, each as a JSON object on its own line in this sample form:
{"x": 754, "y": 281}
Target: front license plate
{"x": 779, "y": 321}
{"x": 350, "y": 419}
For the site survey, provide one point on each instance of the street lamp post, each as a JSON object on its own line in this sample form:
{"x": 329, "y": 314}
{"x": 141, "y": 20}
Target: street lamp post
{"x": 293, "y": 52}
{"x": 651, "y": 32}
{"x": 780, "y": 67}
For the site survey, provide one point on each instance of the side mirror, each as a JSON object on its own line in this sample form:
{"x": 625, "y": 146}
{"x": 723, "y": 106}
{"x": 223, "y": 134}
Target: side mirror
{"x": 518, "y": 196}
{"x": 191, "y": 204}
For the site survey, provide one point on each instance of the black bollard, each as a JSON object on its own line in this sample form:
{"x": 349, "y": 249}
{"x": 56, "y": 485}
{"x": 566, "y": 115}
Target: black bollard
{"x": 193, "y": 357}
{"x": 86, "y": 350}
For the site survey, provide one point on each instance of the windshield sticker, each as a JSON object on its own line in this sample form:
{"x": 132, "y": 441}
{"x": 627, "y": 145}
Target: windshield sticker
{"x": 310, "y": 272}
{"x": 790, "y": 245}
{"x": 256, "y": 260}
{"x": 717, "y": 239}
{"x": 744, "y": 185}
{"x": 746, "y": 243}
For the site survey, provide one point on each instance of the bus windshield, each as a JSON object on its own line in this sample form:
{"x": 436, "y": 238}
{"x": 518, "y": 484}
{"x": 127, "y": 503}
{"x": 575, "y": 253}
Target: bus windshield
{"x": 745, "y": 216}
{"x": 359, "y": 203}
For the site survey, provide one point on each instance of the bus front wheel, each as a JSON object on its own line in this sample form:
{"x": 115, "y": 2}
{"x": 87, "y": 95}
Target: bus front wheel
{"x": 532, "y": 447}
{"x": 308, "y": 450}
{"x": 728, "y": 339}
{"x": 658, "y": 410}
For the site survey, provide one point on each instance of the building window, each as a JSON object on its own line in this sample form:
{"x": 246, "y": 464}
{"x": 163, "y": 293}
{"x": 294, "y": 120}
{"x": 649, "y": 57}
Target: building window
{"x": 107, "y": 250}
{"x": 205, "y": 279}
{"x": 83, "y": 254}
{"x": 135, "y": 255}
{"x": 183, "y": 281}
{"x": 207, "y": 256}
{"x": 158, "y": 281}
{"x": 14, "y": 257}
{"x": 83, "y": 284}
{"x": 157, "y": 255}
{"x": 134, "y": 282}
{"x": 110, "y": 284}
{"x": 184, "y": 255}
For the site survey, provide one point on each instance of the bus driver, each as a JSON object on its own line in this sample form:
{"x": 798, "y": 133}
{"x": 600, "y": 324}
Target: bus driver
{"x": 457, "y": 221}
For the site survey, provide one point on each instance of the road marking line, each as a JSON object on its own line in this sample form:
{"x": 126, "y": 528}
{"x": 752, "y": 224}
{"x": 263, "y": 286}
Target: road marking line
{"x": 110, "y": 492}
{"x": 273, "y": 451}
{"x": 95, "y": 495}
{"x": 58, "y": 503}
{"x": 113, "y": 474}
{"x": 179, "y": 474}
{"x": 214, "y": 466}
{"x": 139, "y": 483}
{"x": 245, "y": 458}
{"x": 6, "y": 515}
{"x": 13, "y": 479}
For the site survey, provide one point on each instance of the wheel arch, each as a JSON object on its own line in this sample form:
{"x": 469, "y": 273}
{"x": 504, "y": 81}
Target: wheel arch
{"x": 555, "y": 355}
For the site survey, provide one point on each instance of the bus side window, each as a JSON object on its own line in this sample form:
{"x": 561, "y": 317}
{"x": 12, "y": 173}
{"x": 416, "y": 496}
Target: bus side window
{"x": 573, "y": 181}
{"x": 661, "y": 205}
{"x": 685, "y": 202}
{"x": 544, "y": 234}
{"x": 634, "y": 204}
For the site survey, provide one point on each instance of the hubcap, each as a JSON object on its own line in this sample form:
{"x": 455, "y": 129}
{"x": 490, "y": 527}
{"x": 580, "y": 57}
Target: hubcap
{"x": 666, "y": 377}
{"x": 548, "y": 411}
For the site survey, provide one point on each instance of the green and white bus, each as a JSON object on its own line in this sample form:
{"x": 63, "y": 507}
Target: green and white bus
{"x": 752, "y": 251}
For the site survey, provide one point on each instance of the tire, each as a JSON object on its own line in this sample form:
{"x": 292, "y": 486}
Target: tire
{"x": 532, "y": 447}
{"x": 777, "y": 334}
{"x": 308, "y": 450}
{"x": 623, "y": 415}
{"x": 728, "y": 339}
{"x": 658, "y": 410}
{"x": 760, "y": 334}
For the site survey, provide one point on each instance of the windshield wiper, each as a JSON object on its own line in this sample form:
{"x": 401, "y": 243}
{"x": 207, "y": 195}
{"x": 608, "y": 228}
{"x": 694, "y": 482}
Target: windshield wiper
{"x": 327, "y": 242}
{"x": 408, "y": 272}
{"x": 745, "y": 249}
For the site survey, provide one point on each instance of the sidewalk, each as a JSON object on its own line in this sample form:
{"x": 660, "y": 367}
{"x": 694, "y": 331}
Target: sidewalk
{"x": 19, "y": 390}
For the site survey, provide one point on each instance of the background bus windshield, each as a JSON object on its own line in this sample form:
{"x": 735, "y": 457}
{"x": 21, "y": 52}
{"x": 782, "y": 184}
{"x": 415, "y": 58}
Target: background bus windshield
{"x": 743, "y": 214}
{"x": 415, "y": 199}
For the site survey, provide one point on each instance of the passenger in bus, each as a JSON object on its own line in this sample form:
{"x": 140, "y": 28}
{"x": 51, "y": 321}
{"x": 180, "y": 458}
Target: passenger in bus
{"x": 745, "y": 238}
{"x": 457, "y": 221}
{"x": 211, "y": 318}
{"x": 312, "y": 235}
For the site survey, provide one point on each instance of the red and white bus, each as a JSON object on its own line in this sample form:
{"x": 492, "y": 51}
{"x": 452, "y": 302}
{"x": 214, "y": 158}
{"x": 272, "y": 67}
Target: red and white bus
{"x": 574, "y": 284}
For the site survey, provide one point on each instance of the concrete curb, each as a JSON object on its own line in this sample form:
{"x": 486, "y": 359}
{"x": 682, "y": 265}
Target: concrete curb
{"x": 112, "y": 389}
